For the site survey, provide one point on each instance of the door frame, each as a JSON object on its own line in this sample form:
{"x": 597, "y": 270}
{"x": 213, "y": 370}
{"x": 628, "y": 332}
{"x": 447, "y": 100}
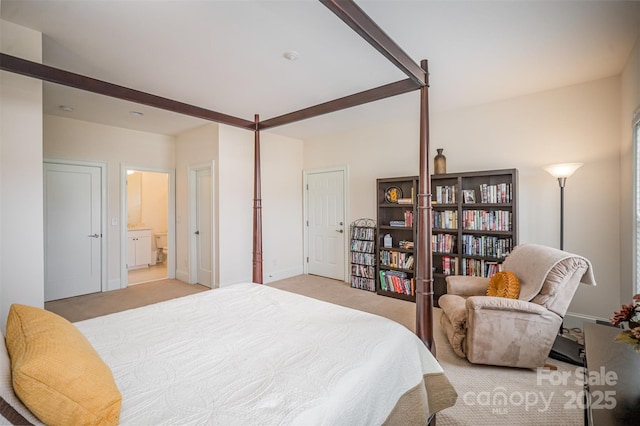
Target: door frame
{"x": 103, "y": 212}
{"x": 193, "y": 248}
{"x": 171, "y": 220}
{"x": 305, "y": 209}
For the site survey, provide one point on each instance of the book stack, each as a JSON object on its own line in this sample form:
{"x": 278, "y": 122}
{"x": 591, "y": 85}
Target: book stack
{"x": 405, "y": 244}
{"x": 397, "y": 223}
{"x": 397, "y": 282}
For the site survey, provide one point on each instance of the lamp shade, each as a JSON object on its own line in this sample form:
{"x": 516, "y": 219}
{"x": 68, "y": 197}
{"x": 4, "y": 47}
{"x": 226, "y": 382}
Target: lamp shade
{"x": 563, "y": 170}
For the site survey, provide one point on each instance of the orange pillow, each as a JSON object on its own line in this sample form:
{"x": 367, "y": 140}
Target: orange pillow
{"x": 56, "y": 372}
{"x": 504, "y": 284}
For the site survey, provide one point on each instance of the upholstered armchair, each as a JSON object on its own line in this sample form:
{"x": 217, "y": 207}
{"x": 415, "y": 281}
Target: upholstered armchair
{"x": 514, "y": 332}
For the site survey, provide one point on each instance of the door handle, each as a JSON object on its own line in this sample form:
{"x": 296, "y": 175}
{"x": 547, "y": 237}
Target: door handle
{"x": 340, "y": 230}
{"x": 197, "y": 232}
{"x": 94, "y": 236}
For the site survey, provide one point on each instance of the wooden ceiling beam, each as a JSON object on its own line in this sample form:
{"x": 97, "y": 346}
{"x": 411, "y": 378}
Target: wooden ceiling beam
{"x": 349, "y": 12}
{"x": 66, "y": 78}
{"x": 382, "y": 92}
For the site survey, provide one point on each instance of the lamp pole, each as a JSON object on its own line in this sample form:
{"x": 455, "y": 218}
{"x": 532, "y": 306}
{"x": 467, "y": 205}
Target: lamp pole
{"x": 562, "y": 172}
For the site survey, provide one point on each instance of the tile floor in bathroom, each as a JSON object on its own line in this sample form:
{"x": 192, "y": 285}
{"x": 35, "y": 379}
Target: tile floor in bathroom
{"x": 152, "y": 273}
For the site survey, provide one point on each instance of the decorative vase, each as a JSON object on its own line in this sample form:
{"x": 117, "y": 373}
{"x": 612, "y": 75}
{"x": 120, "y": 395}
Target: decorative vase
{"x": 440, "y": 163}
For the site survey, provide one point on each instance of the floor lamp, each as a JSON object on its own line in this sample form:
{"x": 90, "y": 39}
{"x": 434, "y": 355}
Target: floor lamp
{"x": 564, "y": 349}
{"x": 562, "y": 172}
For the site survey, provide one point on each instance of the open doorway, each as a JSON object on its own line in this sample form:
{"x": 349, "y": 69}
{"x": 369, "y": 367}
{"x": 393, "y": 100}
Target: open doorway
{"x": 147, "y": 248}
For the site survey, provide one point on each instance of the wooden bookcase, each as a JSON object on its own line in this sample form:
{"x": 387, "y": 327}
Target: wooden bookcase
{"x": 397, "y": 215}
{"x": 362, "y": 245}
{"x": 474, "y": 223}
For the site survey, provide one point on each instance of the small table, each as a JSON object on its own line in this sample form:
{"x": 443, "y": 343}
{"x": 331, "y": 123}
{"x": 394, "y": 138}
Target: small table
{"x": 612, "y": 378}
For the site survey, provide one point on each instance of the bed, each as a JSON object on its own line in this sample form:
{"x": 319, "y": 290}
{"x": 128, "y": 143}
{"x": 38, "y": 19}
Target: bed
{"x": 301, "y": 361}
{"x": 250, "y": 354}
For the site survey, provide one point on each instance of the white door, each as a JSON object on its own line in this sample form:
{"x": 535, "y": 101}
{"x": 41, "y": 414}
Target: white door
{"x": 72, "y": 228}
{"x": 203, "y": 227}
{"x": 326, "y": 229}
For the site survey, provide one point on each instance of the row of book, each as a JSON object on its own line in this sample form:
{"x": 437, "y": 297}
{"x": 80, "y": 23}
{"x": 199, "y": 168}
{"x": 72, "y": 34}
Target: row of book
{"x": 363, "y": 258}
{"x": 396, "y": 259}
{"x": 397, "y": 282}
{"x": 443, "y": 243}
{"x": 486, "y": 246}
{"x": 484, "y": 220}
{"x": 363, "y": 233}
{"x": 449, "y": 265}
{"x": 363, "y": 246}
{"x": 480, "y": 268}
{"x": 445, "y": 194}
{"x": 363, "y": 283}
{"x": 497, "y": 194}
{"x": 363, "y": 271}
{"x": 446, "y": 219}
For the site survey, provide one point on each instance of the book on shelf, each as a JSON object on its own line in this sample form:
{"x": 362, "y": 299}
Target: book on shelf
{"x": 397, "y": 282}
{"x": 395, "y": 259}
{"x": 397, "y": 223}
{"x": 495, "y": 194}
{"x": 449, "y": 265}
{"x": 405, "y": 201}
{"x": 445, "y": 194}
{"x": 408, "y": 245}
{"x": 408, "y": 218}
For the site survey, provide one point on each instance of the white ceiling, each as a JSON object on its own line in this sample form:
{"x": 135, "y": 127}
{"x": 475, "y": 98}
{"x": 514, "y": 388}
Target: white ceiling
{"x": 227, "y": 55}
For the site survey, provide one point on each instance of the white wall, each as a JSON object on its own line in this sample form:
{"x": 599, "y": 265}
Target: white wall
{"x": 281, "y": 173}
{"x": 69, "y": 139}
{"x": 630, "y": 89}
{"x": 282, "y": 196}
{"x": 573, "y": 124}
{"x": 193, "y": 148}
{"x": 21, "y": 204}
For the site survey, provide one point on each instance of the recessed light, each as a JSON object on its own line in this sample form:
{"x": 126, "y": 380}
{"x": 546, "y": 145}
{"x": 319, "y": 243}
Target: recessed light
{"x": 136, "y": 113}
{"x": 66, "y": 108}
{"x": 291, "y": 55}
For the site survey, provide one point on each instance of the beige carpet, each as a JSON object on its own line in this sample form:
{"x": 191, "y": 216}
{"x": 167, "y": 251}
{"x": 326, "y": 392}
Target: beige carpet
{"x": 97, "y": 304}
{"x": 486, "y": 395}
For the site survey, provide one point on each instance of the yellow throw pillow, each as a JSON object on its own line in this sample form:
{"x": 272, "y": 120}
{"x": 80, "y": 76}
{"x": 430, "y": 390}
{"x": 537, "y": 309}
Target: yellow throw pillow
{"x": 504, "y": 284}
{"x": 56, "y": 372}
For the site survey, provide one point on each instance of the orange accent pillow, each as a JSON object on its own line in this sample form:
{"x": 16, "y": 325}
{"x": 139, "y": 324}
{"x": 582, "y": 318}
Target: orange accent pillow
{"x": 56, "y": 372}
{"x": 504, "y": 284}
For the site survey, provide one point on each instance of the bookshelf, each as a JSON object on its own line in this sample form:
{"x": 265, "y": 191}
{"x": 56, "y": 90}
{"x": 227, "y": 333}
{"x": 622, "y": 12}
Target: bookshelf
{"x": 396, "y": 234}
{"x": 363, "y": 254}
{"x": 474, "y": 223}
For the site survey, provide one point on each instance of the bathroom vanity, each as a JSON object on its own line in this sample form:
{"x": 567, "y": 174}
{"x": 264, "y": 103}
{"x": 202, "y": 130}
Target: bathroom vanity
{"x": 138, "y": 248}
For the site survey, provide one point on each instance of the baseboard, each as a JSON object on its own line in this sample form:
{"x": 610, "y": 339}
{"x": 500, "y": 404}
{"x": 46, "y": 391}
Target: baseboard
{"x": 280, "y": 275}
{"x": 573, "y": 320}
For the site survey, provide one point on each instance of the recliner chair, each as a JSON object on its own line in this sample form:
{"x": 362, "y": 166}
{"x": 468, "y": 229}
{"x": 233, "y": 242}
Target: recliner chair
{"x": 514, "y": 332}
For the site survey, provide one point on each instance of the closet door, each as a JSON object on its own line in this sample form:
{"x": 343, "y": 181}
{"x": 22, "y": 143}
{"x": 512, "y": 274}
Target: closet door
{"x": 72, "y": 230}
{"x": 325, "y": 222}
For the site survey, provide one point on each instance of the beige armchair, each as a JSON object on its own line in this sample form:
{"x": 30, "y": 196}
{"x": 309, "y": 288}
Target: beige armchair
{"x": 514, "y": 332}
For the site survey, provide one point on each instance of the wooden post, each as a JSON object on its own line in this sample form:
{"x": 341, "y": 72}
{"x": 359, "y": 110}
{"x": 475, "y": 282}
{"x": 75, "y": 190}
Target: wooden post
{"x": 424, "y": 281}
{"x": 257, "y": 208}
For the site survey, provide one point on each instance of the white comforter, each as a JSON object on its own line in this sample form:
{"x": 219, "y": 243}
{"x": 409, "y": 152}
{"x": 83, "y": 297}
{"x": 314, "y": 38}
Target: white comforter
{"x": 254, "y": 355}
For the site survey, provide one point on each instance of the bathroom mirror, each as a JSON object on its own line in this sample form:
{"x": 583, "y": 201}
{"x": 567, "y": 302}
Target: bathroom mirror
{"x": 134, "y": 198}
